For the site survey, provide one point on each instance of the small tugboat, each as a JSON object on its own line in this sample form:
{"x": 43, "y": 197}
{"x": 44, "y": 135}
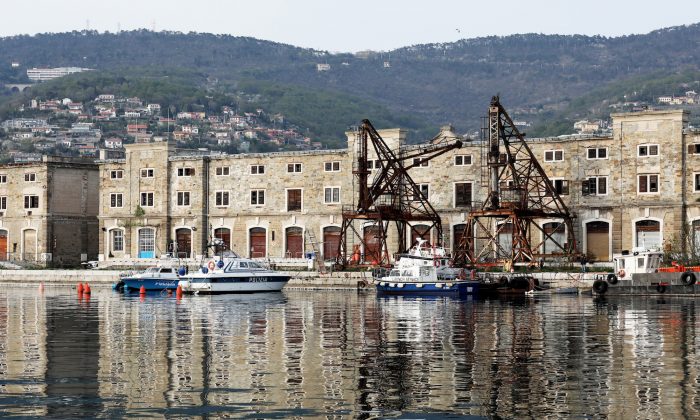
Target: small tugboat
{"x": 424, "y": 270}
{"x": 153, "y": 278}
{"x": 230, "y": 273}
{"x": 640, "y": 273}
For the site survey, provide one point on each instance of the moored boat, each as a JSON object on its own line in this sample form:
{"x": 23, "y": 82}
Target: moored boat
{"x": 424, "y": 270}
{"x": 233, "y": 274}
{"x": 151, "y": 279}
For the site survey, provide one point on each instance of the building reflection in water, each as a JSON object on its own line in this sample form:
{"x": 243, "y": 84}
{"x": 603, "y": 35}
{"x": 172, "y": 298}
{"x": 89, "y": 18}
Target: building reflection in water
{"x": 342, "y": 354}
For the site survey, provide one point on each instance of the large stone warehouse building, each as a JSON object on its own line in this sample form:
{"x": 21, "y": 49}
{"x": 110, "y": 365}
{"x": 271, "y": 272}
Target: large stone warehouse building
{"x": 638, "y": 187}
{"x": 635, "y": 188}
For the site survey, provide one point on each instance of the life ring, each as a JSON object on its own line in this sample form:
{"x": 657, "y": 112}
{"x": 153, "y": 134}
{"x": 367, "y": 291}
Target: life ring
{"x": 211, "y": 265}
{"x": 661, "y": 288}
{"x": 612, "y": 279}
{"x": 621, "y": 273}
{"x": 688, "y": 278}
{"x": 600, "y": 287}
{"x": 436, "y": 263}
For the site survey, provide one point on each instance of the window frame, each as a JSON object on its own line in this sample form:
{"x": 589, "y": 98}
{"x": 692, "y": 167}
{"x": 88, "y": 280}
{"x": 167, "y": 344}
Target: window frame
{"x": 185, "y": 172}
{"x": 257, "y": 169}
{"x": 33, "y": 201}
{"x": 225, "y": 171}
{"x": 471, "y": 194}
{"x": 334, "y": 189}
{"x": 597, "y": 192}
{"x": 219, "y": 198}
{"x": 421, "y": 162}
{"x": 554, "y": 153}
{"x": 116, "y": 198}
{"x": 116, "y": 174}
{"x": 696, "y": 182}
{"x": 648, "y": 147}
{"x": 3, "y": 202}
{"x": 3, "y": 178}
{"x": 334, "y": 166}
{"x": 420, "y": 186}
{"x": 30, "y": 177}
{"x": 149, "y": 172}
{"x": 648, "y": 184}
{"x": 301, "y": 199}
{"x": 597, "y": 153}
{"x": 566, "y": 187}
{"x": 113, "y": 237}
{"x": 183, "y": 199}
{"x": 293, "y": 166}
{"x": 463, "y": 158}
{"x": 147, "y": 194}
{"x": 257, "y": 192}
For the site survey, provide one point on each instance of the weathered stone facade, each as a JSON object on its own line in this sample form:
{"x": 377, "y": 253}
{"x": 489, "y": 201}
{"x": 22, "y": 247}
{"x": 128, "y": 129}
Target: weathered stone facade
{"x": 635, "y": 188}
{"x": 48, "y": 211}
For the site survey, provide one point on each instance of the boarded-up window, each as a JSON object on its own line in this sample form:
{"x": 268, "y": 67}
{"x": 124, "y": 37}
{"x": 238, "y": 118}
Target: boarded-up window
{"x": 463, "y": 194}
{"x": 294, "y": 200}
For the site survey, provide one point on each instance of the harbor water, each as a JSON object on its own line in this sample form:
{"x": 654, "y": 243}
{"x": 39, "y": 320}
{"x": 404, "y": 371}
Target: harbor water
{"x": 345, "y": 354}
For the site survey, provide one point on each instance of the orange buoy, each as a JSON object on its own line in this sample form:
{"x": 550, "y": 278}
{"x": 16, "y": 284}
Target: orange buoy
{"x": 80, "y": 288}
{"x": 178, "y": 292}
{"x": 86, "y": 289}
{"x": 142, "y": 290}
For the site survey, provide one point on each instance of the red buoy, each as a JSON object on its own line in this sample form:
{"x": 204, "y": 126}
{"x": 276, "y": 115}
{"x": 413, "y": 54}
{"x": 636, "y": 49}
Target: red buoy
{"x": 80, "y": 288}
{"x": 86, "y": 289}
{"x": 178, "y": 292}
{"x": 142, "y": 290}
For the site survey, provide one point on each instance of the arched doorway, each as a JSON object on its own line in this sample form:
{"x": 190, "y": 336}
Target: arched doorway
{"x": 555, "y": 237}
{"x": 598, "y": 241}
{"x": 331, "y": 242}
{"x": 147, "y": 243}
{"x": 420, "y": 231}
{"x": 258, "y": 242}
{"x": 224, "y": 234}
{"x": 29, "y": 245}
{"x": 373, "y": 245}
{"x": 295, "y": 242}
{"x": 647, "y": 234}
{"x": 3, "y": 245}
{"x": 183, "y": 238}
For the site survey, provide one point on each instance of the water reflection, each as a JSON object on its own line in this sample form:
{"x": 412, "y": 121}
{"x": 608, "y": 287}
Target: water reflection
{"x": 344, "y": 354}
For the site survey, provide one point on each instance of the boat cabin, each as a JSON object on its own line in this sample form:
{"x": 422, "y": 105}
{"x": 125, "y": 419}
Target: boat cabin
{"x": 638, "y": 261}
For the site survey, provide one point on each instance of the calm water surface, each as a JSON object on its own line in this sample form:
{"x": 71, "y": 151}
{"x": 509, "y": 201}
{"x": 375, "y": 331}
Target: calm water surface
{"x": 345, "y": 355}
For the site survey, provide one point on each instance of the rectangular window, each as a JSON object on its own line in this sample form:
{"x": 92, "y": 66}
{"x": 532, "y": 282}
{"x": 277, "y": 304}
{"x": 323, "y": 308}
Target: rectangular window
{"x": 3, "y": 179}
{"x": 3, "y": 203}
{"x": 648, "y": 184}
{"x": 696, "y": 186}
{"x": 644, "y": 150}
{"x": 31, "y": 201}
{"x": 146, "y": 199}
{"x": 595, "y": 185}
{"x": 294, "y": 200}
{"x": 257, "y": 197}
{"x": 116, "y": 200}
{"x": 147, "y": 173}
{"x": 222, "y": 198}
{"x": 463, "y": 160}
{"x": 117, "y": 240}
{"x": 185, "y": 171}
{"x": 331, "y": 195}
{"x": 30, "y": 177}
{"x": 183, "y": 198}
{"x": 257, "y": 169}
{"x": 332, "y": 166}
{"x": 560, "y": 186}
{"x": 223, "y": 171}
{"x": 597, "y": 153}
{"x": 421, "y": 190}
{"x": 463, "y": 194}
{"x": 553, "y": 155}
{"x": 294, "y": 167}
{"x": 694, "y": 149}
{"x": 420, "y": 162}
{"x": 118, "y": 174}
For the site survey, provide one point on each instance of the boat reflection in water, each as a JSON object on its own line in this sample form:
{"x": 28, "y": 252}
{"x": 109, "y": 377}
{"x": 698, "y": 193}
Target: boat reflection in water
{"x": 343, "y": 354}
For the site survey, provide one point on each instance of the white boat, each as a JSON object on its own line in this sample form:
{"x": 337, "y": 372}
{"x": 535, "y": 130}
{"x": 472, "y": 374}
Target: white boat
{"x": 233, "y": 274}
{"x": 153, "y": 278}
{"x": 634, "y": 271}
{"x": 424, "y": 270}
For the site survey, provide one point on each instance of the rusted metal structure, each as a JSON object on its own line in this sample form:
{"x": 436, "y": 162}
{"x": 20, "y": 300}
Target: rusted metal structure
{"x": 392, "y": 198}
{"x": 523, "y": 217}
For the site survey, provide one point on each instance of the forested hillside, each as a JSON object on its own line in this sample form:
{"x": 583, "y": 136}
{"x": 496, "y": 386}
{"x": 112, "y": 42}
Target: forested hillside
{"x": 537, "y": 76}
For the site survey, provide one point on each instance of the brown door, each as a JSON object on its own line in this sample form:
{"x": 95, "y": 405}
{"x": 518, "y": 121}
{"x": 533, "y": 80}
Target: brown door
{"x": 258, "y": 243}
{"x": 3, "y": 245}
{"x": 184, "y": 243}
{"x": 331, "y": 242}
{"x": 295, "y": 243}
{"x": 598, "y": 241}
{"x": 373, "y": 245}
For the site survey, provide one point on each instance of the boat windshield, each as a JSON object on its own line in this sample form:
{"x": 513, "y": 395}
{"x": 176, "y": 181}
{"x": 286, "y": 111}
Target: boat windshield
{"x": 152, "y": 270}
{"x": 395, "y": 273}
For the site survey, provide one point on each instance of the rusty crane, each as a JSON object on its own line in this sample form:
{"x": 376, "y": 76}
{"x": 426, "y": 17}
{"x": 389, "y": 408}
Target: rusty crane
{"x": 523, "y": 217}
{"x": 392, "y": 197}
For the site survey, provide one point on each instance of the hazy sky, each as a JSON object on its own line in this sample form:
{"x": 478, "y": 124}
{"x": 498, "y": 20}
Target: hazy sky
{"x": 352, "y": 25}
